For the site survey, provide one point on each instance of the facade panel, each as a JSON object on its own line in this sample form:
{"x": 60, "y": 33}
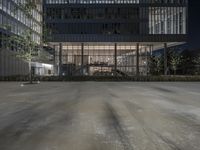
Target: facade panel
{"x": 132, "y": 18}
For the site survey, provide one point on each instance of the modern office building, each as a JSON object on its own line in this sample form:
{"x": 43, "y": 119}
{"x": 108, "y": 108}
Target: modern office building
{"x": 110, "y": 37}
{"x": 14, "y": 20}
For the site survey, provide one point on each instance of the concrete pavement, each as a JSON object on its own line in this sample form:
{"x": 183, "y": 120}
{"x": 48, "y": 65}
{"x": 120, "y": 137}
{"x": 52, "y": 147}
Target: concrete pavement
{"x": 100, "y": 116}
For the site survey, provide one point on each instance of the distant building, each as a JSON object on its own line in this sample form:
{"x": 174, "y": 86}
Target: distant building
{"x": 109, "y": 37}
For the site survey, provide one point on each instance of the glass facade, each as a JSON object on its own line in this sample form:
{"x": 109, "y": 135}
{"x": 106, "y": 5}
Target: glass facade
{"x": 167, "y": 20}
{"x": 96, "y": 20}
{"x": 12, "y": 16}
{"x": 98, "y": 59}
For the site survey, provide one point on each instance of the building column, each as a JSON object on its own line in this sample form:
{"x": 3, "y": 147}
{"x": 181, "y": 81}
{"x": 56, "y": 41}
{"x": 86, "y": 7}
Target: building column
{"x": 1, "y": 63}
{"x": 137, "y": 60}
{"x": 165, "y": 59}
{"x": 151, "y": 50}
{"x": 146, "y": 59}
{"x": 82, "y": 58}
{"x": 60, "y": 59}
{"x": 54, "y": 60}
{"x": 3, "y": 57}
{"x": 149, "y": 54}
{"x": 115, "y": 59}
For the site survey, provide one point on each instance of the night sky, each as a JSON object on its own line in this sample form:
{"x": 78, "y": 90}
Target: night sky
{"x": 194, "y": 24}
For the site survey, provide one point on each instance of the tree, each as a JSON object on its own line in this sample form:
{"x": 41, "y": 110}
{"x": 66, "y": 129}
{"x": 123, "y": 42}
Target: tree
{"x": 175, "y": 60}
{"x": 27, "y": 49}
{"x": 27, "y": 6}
{"x": 187, "y": 64}
{"x": 196, "y": 61}
{"x": 155, "y": 64}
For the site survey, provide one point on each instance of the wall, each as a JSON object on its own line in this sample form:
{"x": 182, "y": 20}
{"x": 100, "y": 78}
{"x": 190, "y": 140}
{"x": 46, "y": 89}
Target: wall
{"x": 10, "y": 65}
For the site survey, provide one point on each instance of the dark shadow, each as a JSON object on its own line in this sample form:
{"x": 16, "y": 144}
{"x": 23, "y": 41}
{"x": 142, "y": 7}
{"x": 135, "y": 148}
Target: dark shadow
{"x": 28, "y": 83}
{"x": 163, "y": 90}
{"x": 115, "y": 123}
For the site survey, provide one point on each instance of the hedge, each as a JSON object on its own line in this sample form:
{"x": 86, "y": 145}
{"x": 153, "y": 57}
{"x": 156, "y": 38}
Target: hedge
{"x": 101, "y": 78}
